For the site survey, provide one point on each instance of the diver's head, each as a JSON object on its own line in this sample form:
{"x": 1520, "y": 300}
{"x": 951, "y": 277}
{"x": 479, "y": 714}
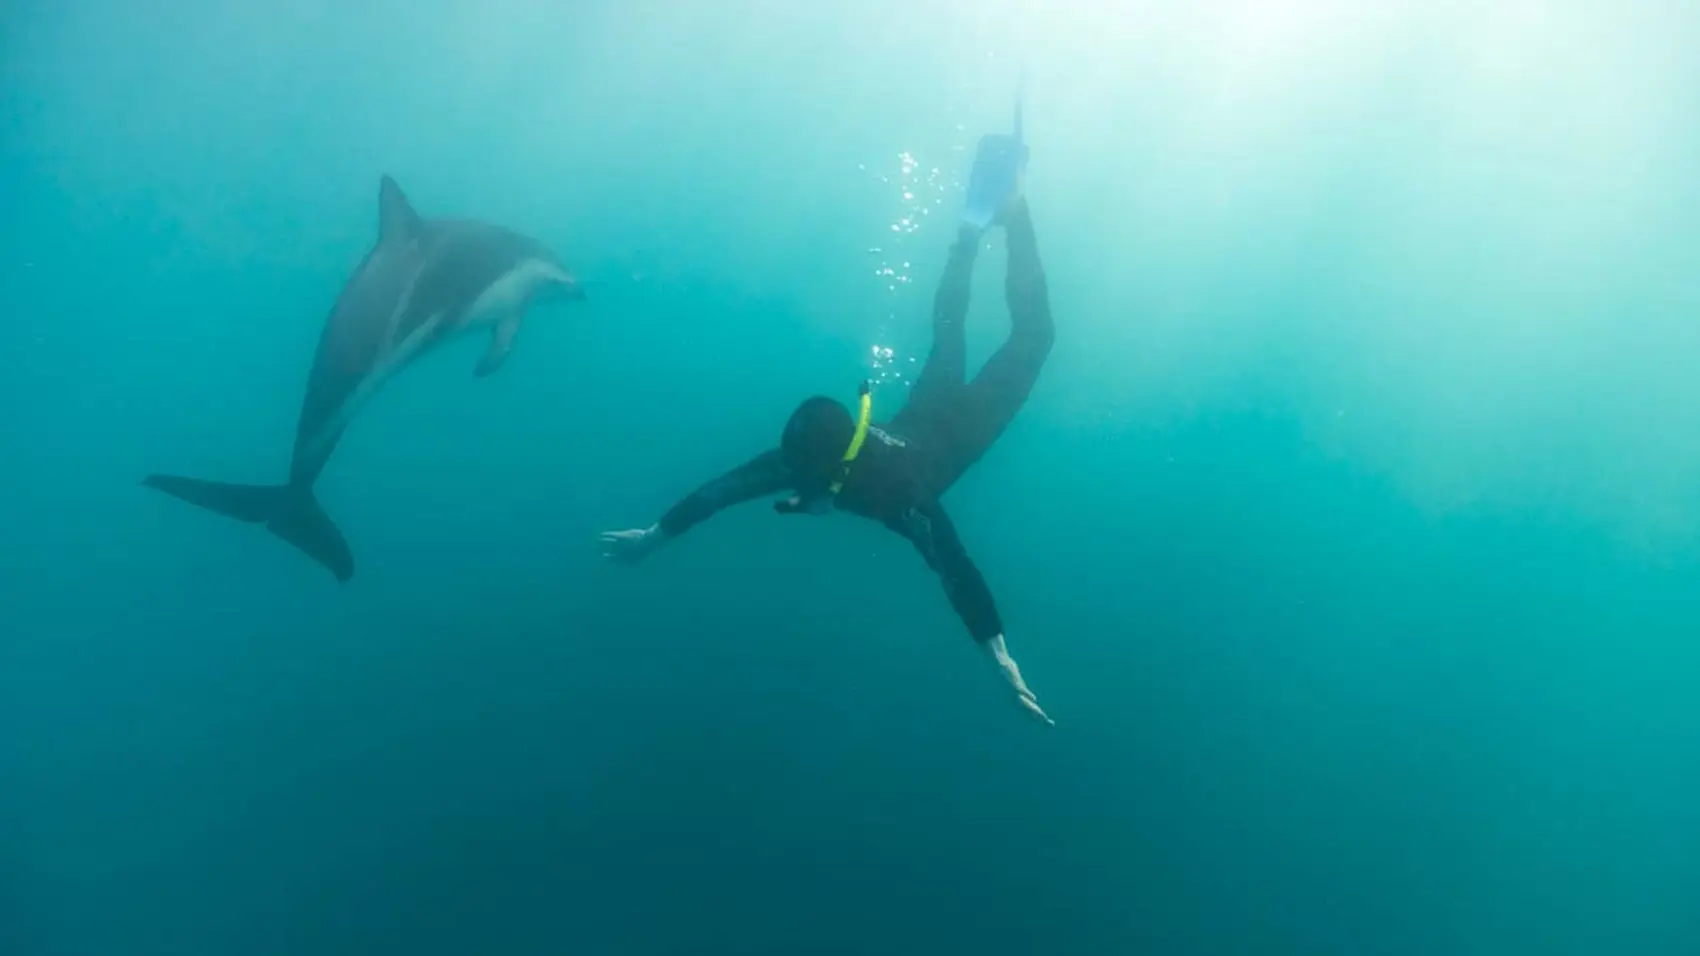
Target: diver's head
{"x": 815, "y": 439}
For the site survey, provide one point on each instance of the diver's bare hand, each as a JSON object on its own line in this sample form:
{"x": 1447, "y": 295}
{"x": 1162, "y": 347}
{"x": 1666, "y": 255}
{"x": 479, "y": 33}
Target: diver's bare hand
{"x": 1011, "y": 672}
{"x": 630, "y": 547}
{"x": 1032, "y": 707}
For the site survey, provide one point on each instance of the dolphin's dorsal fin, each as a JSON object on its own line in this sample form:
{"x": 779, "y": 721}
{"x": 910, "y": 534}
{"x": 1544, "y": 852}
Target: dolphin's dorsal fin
{"x": 396, "y": 218}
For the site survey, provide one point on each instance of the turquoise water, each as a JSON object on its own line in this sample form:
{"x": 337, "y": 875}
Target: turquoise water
{"x": 1351, "y": 536}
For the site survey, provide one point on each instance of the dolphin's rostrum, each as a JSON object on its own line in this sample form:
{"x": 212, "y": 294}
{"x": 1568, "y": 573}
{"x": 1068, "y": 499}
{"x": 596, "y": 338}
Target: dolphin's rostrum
{"x": 423, "y": 282}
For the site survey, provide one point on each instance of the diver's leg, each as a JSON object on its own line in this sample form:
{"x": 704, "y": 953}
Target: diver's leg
{"x": 946, "y": 367}
{"x": 989, "y": 403}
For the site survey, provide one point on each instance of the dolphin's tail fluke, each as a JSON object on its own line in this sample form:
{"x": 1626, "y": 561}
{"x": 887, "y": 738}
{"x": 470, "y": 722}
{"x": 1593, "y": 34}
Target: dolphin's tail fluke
{"x": 288, "y": 511}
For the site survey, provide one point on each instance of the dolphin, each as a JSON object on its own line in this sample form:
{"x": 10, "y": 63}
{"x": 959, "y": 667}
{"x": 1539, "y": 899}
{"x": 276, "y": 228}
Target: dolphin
{"x": 424, "y": 282}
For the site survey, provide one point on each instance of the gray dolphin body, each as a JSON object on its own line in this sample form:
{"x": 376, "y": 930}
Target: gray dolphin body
{"x": 423, "y": 283}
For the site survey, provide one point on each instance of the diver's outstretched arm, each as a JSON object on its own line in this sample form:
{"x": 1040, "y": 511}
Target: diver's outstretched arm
{"x": 764, "y": 474}
{"x": 933, "y": 534}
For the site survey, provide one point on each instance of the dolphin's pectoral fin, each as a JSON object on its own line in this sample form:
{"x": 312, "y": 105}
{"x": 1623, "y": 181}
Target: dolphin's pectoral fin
{"x": 501, "y": 343}
{"x": 396, "y": 219}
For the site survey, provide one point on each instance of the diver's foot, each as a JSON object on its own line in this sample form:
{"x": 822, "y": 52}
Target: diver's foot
{"x": 1014, "y": 207}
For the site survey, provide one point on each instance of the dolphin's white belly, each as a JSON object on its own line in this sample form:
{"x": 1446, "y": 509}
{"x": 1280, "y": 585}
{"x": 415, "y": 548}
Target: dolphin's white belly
{"x": 510, "y": 293}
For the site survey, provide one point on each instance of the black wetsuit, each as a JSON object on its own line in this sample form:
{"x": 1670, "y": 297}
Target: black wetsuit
{"x": 949, "y": 422}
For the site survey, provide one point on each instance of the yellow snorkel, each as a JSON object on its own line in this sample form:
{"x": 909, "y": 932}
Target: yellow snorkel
{"x": 857, "y": 439}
